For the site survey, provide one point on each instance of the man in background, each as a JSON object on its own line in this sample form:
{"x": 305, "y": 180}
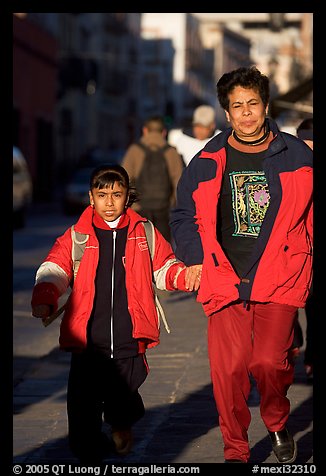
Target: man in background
{"x": 154, "y": 168}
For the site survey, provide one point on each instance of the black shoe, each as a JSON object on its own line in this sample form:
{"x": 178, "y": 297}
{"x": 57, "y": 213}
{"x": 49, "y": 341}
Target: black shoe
{"x": 284, "y": 446}
{"x": 233, "y": 461}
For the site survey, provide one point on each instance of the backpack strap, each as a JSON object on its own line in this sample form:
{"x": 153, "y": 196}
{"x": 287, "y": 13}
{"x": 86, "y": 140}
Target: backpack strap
{"x": 150, "y": 236}
{"x": 78, "y": 247}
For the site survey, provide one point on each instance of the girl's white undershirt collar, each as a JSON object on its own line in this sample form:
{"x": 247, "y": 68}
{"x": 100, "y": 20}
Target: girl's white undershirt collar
{"x": 114, "y": 223}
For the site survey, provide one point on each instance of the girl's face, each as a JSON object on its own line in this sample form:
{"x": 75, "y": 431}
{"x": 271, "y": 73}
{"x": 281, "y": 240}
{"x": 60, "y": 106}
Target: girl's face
{"x": 109, "y": 202}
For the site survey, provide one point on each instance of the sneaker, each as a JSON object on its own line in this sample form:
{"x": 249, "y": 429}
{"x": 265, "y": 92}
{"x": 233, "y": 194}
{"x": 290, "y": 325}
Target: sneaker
{"x": 123, "y": 440}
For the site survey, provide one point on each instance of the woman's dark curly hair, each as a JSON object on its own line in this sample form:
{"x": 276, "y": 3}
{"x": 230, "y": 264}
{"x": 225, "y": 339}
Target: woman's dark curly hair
{"x": 105, "y": 175}
{"x": 249, "y": 78}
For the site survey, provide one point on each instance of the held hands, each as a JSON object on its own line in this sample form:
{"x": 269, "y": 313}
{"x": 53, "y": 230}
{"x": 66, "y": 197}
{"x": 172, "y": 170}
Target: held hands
{"x": 193, "y": 277}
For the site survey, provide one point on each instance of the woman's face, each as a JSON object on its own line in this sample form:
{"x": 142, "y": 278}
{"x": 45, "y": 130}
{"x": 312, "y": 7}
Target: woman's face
{"x": 109, "y": 202}
{"x": 246, "y": 113}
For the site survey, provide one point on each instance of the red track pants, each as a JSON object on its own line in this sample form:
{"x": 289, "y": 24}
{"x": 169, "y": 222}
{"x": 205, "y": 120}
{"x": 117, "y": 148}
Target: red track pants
{"x": 241, "y": 340}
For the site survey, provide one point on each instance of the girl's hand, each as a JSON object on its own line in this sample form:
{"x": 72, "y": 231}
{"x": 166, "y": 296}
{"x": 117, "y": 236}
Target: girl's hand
{"x": 41, "y": 311}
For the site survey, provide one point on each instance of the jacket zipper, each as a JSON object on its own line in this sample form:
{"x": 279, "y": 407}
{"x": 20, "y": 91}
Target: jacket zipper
{"x": 112, "y": 290}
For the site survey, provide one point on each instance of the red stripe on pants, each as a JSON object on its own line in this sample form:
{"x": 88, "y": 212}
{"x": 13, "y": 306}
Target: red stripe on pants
{"x": 255, "y": 340}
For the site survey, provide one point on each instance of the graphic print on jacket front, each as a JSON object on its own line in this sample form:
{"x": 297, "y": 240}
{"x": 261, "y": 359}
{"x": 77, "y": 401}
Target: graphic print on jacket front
{"x": 250, "y": 200}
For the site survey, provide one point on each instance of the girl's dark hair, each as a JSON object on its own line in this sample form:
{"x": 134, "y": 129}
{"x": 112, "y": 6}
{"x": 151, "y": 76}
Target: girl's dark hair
{"x": 106, "y": 175}
{"x": 249, "y": 78}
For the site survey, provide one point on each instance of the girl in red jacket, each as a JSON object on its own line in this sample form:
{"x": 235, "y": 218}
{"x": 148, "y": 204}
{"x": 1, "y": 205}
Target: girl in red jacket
{"x": 110, "y": 317}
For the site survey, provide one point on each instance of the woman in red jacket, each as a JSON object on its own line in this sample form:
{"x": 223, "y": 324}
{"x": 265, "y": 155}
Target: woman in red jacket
{"x": 243, "y": 226}
{"x": 111, "y": 317}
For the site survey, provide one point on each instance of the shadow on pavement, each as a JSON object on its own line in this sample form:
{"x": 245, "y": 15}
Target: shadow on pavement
{"x": 161, "y": 436}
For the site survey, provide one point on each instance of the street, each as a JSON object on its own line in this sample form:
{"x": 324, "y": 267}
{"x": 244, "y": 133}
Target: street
{"x": 181, "y": 422}
{"x": 31, "y": 340}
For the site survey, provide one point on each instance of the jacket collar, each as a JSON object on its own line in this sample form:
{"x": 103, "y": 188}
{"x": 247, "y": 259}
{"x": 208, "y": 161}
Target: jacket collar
{"x": 100, "y": 223}
{"x": 220, "y": 141}
{"x": 85, "y": 222}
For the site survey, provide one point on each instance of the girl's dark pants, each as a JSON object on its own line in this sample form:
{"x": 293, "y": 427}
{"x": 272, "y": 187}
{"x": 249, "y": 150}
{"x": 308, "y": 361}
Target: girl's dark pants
{"x": 102, "y": 388}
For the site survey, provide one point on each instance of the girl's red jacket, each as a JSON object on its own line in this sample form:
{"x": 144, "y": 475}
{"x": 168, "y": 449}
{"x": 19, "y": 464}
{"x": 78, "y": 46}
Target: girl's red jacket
{"x": 55, "y": 274}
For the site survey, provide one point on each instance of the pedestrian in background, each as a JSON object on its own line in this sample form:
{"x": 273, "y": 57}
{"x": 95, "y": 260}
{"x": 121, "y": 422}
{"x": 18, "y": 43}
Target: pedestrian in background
{"x": 154, "y": 168}
{"x": 305, "y": 133}
{"x": 110, "y": 317}
{"x": 189, "y": 141}
{"x": 243, "y": 226}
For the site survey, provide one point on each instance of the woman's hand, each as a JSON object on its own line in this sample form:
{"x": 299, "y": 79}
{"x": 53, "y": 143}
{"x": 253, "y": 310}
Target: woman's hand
{"x": 193, "y": 277}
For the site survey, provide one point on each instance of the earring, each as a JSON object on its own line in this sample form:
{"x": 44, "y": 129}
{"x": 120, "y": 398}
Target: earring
{"x": 92, "y": 205}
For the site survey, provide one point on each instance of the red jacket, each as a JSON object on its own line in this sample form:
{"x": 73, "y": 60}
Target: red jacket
{"x": 280, "y": 267}
{"x": 55, "y": 274}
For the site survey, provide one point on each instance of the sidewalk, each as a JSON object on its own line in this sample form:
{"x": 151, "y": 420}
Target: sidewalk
{"x": 180, "y": 424}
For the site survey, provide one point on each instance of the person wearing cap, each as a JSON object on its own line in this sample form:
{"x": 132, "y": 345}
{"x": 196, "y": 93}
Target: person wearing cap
{"x": 243, "y": 226}
{"x": 189, "y": 141}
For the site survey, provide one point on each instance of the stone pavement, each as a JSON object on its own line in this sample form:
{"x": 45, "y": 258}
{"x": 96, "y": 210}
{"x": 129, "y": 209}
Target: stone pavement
{"x": 180, "y": 424}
